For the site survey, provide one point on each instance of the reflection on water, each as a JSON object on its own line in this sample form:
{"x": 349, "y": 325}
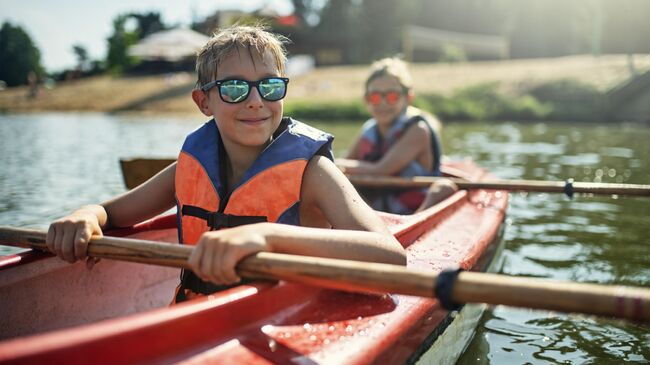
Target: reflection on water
{"x": 53, "y": 163}
{"x": 586, "y": 239}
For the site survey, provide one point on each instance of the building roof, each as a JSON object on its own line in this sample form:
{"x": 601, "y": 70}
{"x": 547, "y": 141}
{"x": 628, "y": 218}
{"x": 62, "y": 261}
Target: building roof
{"x": 169, "y": 45}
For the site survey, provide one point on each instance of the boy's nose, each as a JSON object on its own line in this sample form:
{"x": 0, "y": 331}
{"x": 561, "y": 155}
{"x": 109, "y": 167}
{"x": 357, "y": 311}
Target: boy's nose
{"x": 254, "y": 99}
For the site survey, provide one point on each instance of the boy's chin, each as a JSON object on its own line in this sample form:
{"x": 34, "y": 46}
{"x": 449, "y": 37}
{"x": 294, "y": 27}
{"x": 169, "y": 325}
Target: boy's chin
{"x": 254, "y": 140}
{"x": 385, "y": 120}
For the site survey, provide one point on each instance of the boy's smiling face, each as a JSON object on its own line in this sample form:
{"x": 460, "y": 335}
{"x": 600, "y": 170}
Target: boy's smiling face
{"x": 384, "y": 112}
{"x": 251, "y": 122}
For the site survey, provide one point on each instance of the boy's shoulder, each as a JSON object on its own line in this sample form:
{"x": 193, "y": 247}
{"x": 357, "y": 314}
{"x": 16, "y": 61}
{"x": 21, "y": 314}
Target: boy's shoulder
{"x": 417, "y": 113}
{"x": 299, "y": 128}
{"x": 368, "y": 125}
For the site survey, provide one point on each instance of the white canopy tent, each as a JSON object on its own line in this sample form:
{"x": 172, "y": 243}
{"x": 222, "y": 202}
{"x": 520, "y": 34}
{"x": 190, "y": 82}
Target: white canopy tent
{"x": 169, "y": 45}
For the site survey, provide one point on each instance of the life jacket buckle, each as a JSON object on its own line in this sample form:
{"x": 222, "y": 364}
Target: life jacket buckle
{"x": 218, "y": 220}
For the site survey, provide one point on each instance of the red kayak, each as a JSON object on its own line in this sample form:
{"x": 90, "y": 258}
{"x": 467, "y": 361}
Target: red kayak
{"x": 118, "y": 313}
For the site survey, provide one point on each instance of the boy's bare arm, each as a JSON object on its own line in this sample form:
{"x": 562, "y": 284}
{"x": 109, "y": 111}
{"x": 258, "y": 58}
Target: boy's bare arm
{"x": 407, "y": 149}
{"x": 358, "y": 234}
{"x": 68, "y": 237}
{"x": 153, "y": 197}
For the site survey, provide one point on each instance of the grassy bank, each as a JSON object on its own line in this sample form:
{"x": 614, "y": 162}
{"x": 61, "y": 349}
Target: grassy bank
{"x": 557, "y": 100}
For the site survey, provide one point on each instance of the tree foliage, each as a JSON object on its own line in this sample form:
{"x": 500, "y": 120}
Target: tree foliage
{"x": 148, "y": 23}
{"x": 118, "y": 59}
{"x": 81, "y": 54}
{"x": 18, "y": 55}
{"x": 364, "y": 30}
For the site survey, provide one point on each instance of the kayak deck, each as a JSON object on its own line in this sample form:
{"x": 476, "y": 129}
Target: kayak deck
{"x": 283, "y": 322}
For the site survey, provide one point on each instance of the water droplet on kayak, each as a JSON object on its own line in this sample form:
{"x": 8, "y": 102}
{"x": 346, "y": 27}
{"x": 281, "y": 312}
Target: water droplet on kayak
{"x": 306, "y": 326}
{"x": 273, "y": 345}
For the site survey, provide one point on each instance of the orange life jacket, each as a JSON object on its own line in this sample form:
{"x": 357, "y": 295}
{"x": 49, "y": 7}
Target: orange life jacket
{"x": 269, "y": 191}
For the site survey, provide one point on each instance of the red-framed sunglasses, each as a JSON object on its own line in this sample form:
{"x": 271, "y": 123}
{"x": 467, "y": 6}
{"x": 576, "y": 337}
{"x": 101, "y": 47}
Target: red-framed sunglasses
{"x": 391, "y": 97}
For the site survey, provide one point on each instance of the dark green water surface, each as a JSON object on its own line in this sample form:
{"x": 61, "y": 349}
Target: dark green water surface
{"x": 53, "y": 163}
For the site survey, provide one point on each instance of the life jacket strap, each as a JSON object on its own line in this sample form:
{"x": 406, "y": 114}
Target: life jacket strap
{"x": 190, "y": 281}
{"x": 218, "y": 220}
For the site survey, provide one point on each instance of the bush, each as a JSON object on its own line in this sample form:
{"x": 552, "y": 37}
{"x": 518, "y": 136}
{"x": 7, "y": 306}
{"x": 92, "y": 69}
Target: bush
{"x": 566, "y": 100}
{"x": 483, "y": 102}
{"x": 452, "y": 54}
{"x": 571, "y": 99}
{"x": 354, "y": 110}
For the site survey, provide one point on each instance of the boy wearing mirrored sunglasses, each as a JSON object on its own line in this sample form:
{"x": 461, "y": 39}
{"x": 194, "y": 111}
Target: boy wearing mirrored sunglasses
{"x": 246, "y": 169}
{"x": 399, "y": 140}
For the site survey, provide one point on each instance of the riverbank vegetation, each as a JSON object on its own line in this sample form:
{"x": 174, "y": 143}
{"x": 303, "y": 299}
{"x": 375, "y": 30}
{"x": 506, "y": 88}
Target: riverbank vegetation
{"x": 561, "y": 100}
{"x": 565, "y": 89}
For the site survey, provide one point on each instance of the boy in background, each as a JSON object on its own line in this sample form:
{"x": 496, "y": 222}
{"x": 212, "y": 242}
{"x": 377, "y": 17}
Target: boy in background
{"x": 398, "y": 140}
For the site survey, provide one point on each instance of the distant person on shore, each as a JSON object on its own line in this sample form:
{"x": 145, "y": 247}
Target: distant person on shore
{"x": 248, "y": 167}
{"x": 32, "y": 84}
{"x": 399, "y": 140}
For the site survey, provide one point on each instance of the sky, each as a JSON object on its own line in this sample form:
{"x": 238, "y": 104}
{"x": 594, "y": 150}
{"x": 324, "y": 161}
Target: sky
{"x": 55, "y": 26}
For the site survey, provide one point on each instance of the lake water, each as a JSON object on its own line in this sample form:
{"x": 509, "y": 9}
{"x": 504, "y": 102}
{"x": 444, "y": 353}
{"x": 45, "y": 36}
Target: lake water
{"x": 53, "y": 163}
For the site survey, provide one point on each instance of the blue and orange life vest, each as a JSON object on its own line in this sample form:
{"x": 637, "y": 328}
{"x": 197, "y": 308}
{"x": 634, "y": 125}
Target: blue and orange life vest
{"x": 373, "y": 146}
{"x": 269, "y": 191}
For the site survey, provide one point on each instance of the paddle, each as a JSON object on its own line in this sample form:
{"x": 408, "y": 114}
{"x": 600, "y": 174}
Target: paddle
{"x": 569, "y": 187}
{"x": 450, "y": 287}
{"x": 137, "y": 171}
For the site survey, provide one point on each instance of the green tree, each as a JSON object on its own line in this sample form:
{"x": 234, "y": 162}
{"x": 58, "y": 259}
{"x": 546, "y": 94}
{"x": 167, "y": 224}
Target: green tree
{"x": 81, "y": 54}
{"x": 118, "y": 60}
{"x": 148, "y": 23}
{"x": 18, "y": 55}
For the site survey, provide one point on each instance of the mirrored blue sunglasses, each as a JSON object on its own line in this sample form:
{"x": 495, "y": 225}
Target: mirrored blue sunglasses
{"x": 236, "y": 90}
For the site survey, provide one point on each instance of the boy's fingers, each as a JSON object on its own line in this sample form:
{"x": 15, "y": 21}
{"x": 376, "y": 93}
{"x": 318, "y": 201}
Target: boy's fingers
{"x": 96, "y": 231}
{"x": 49, "y": 239}
{"x": 227, "y": 268}
{"x": 81, "y": 242}
{"x": 91, "y": 262}
{"x": 58, "y": 239}
{"x": 205, "y": 271}
{"x": 217, "y": 265}
{"x": 67, "y": 245}
{"x": 195, "y": 258}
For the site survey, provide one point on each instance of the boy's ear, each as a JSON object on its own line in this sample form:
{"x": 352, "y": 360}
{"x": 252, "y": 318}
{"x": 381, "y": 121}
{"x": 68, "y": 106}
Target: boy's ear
{"x": 410, "y": 96}
{"x": 201, "y": 100}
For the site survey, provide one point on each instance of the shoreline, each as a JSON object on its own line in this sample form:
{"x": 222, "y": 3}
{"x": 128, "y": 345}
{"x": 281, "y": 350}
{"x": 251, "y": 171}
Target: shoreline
{"x": 169, "y": 94}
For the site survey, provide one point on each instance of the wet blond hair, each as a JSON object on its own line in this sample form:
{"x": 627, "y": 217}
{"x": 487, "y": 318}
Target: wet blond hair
{"x": 228, "y": 40}
{"x": 391, "y": 66}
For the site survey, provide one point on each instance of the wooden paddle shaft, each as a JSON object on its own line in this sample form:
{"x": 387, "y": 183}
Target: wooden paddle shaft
{"x": 604, "y": 300}
{"x": 124, "y": 249}
{"x": 468, "y": 287}
{"x": 510, "y": 185}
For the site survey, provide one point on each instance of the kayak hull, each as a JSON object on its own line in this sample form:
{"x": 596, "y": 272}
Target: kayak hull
{"x": 268, "y": 322}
